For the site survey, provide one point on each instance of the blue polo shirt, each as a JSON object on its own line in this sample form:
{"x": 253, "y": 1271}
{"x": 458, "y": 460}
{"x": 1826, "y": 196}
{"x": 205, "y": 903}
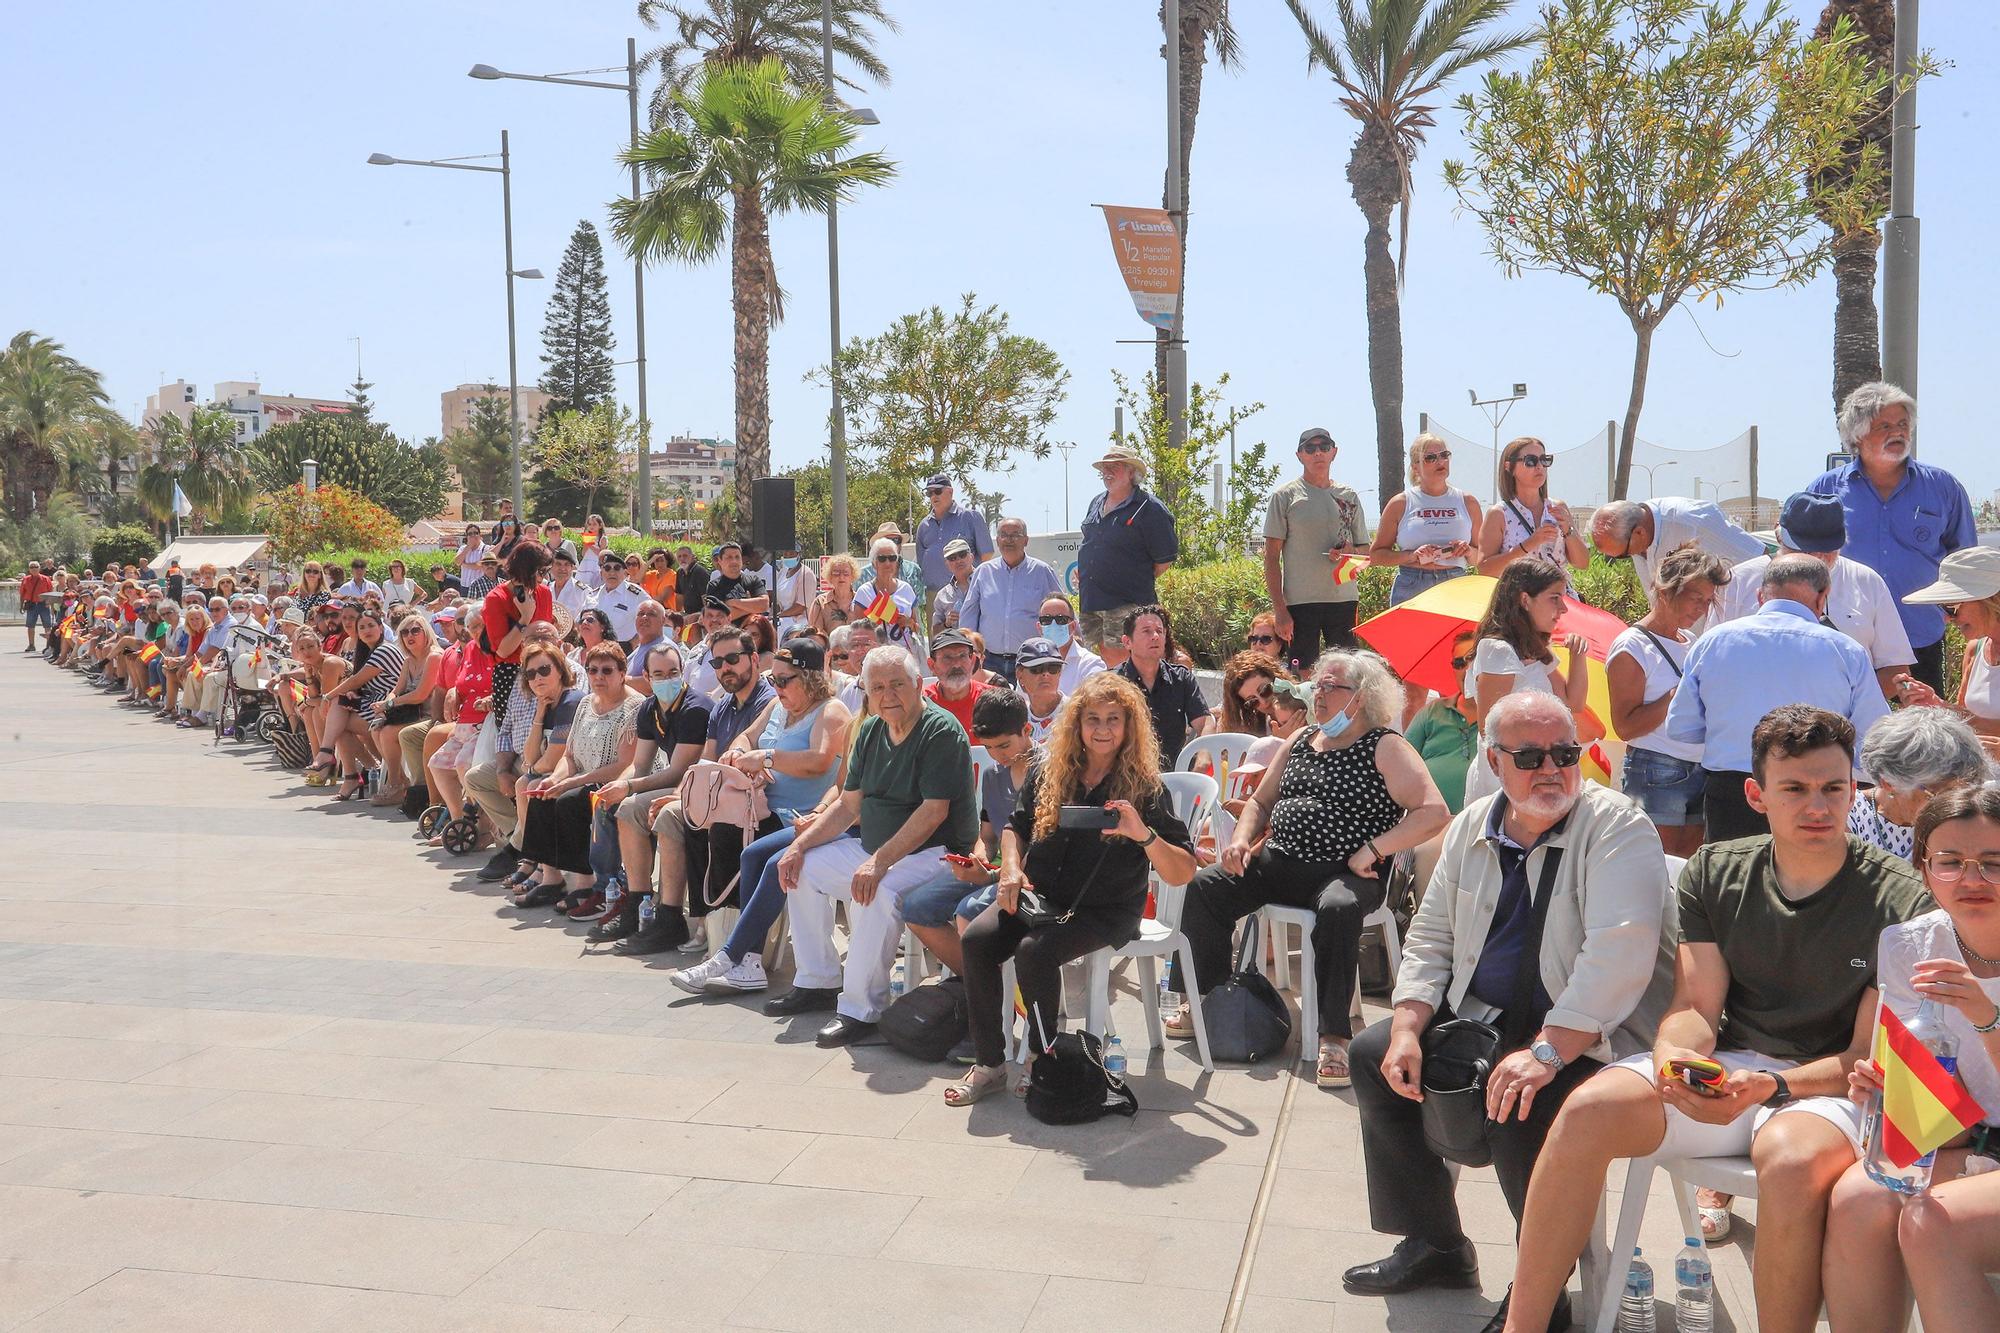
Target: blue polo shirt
{"x": 1905, "y": 537}
{"x": 934, "y": 534}
{"x": 1114, "y": 564}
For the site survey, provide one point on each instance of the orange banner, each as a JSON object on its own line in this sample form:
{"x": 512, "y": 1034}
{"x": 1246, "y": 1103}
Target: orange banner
{"x": 1148, "y": 247}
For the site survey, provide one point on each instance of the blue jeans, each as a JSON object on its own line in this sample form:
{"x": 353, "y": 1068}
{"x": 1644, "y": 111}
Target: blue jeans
{"x": 1001, "y": 665}
{"x": 766, "y": 902}
{"x": 1410, "y": 581}
{"x": 1669, "y": 790}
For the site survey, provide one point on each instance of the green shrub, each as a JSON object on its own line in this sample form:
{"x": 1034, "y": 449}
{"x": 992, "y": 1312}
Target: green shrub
{"x": 416, "y": 561}
{"x": 126, "y": 544}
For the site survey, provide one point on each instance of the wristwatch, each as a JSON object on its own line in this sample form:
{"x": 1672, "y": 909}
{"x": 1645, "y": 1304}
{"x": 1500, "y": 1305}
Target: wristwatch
{"x": 1784, "y": 1092}
{"x": 1545, "y": 1051}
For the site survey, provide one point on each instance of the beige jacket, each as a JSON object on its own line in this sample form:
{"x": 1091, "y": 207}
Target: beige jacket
{"x": 1608, "y": 944}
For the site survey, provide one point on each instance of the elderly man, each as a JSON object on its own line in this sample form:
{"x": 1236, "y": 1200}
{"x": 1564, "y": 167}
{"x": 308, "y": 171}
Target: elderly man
{"x": 1128, "y": 542}
{"x": 489, "y": 577}
{"x": 945, "y": 602}
{"x": 1903, "y": 517}
{"x": 743, "y": 591}
{"x": 952, "y": 687}
{"x": 1055, "y": 624}
{"x": 564, "y": 589}
{"x": 1858, "y": 602}
{"x": 1004, "y": 602}
{"x": 649, "y": 625}
{"x": 1645, "y": 530}
{"x": 851, "y": 643}
{"x": 213, "y": 658}
{"x": 1775, "y": 981}
{"x": 33, "y": 609}
{"x": 944, "y": 524}
{"x": 620, "y": 601}
{"x": 1313, "y": 528}
{"x": 1545, "y": 918}
{"x": 1041, "y": 687}
{"x": 1739, "y": 671}
{"x": 690, "y": 579}
{"x": 1173, "y": 695}
{"x": 910, "y": 789}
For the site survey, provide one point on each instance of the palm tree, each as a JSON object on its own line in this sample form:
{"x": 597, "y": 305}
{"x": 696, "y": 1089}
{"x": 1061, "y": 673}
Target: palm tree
{"x": 742, "y": 146}
{"x": 54, "y": 417}
{"x": 202, "y": 456}
{"x": 1390, "y": 57}
{"x": 1857, "y": 328}
{"x": 1204, "y": 23}
{"x": 747, "y": 31}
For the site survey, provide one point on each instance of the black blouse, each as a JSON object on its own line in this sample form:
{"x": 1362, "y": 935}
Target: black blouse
{"x": 1085, "y": 868}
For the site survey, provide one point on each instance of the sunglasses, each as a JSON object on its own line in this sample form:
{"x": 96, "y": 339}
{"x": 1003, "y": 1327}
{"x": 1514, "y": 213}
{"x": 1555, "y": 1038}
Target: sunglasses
{"x": 536, "y": 673}
{"x": 1461, "y": 663}
{"x": 888, "y": 559}
{"x": 1256, "y": 696}
{"x": 730, "y": 660}
{"x": 1046, "y": 669}
{"x": 963, "y": 555}
{"x": 1317, "y": 447}
{"x": 1536, "y": 460}
{"x": 414, "y": 632}
{"x": 1528, "y": 758}
{"x": 934, "y": 490}
{"x": 605, "y": 669}
{"x": 1055, "y": 620}
{"x": 1263, "y": 638}
{"x": 1441, "y": 456}
{"x": 779, "y": 682}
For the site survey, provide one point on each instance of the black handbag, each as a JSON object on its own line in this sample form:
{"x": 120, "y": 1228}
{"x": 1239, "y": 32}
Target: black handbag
{"x": 1246, "y": 1017}
{"x": 1068, "y": 1084}
{"x": 927, "y": 1022}
{"x": 1460, "y": 1052}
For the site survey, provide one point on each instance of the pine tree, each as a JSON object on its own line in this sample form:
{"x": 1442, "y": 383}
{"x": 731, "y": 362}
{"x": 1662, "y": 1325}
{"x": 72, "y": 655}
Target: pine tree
{"x": 576, "y": 331}
{"x": 483, "y": 452}
{"x": 364, "y": 407}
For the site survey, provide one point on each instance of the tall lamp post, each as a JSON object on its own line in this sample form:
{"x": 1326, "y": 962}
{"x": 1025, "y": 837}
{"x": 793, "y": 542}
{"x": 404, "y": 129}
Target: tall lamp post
{"x": 1065, "y": 449}
{"x": 836, "y": 466}
{"x": 505, "y": 172}
{"x": 644, "y": 489}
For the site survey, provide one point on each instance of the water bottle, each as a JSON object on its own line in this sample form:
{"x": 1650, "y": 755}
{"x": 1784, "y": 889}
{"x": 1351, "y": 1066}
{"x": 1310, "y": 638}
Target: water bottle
{"x": 896, "y": 983}
{"x": 646, "y": 906}
{"x": 1170, "y": 999}
{"x": 1635, "y": 1307}
{"x": 1927, "y": 1027}
{"x": 1694, "y": 1289}
{"x": 1114, "y": 1059}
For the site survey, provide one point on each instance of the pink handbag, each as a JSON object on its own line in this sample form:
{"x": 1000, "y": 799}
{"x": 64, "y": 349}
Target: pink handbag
{"x": 714, "y": 793}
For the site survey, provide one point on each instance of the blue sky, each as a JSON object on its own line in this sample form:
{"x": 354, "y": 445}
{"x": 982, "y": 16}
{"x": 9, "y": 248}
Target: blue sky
{"x": 189, "y": 198}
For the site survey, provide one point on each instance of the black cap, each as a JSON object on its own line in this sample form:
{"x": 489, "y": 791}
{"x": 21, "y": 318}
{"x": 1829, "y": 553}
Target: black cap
{"x": 949, "y": 638}
{"x": 1813, "y": 523}
{"x": 804, "y": 653}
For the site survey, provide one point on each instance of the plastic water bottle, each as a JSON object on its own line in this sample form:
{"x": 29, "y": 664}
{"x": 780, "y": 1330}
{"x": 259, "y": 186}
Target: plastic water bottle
{"x": 896, "y": 982}
{"x": 1927, "y": 1027}
{"x": 1635, "y": 1307}
{"x": 1170, "y": 999}
{"x": 646, "y": 906}
{"x": 1694, "y": 1289}
{"x": 1114, "y": 1059}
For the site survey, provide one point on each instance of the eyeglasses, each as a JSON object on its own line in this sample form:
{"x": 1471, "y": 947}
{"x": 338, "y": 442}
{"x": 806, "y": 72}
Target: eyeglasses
{"x": 1045, "y": 669}
{"x": 1536, "y": 460}
{"x": 1325, "y": 687}
{"x": 1262, "y": 638}
{"x": 1461, "y": 663}
{"x": 1528, "y": 758}
{"x": 1441, "y": 456}
{"x": 888, "y": 559}
{"x": 414, "y": 632}
{"x": 1256, "y": 697}
{"x": 963, "y": 555}
{"x": 779, "y": 682}
{"x": 536, "y": 673}
{"x": 606, "y": 669}
{"x": 730, "y": 660}
{"x": 1055, "y": 620}
{"x": 1317, "y": 447}
{"x": 1947, "y": 869}
{"x": 934, "y": 490}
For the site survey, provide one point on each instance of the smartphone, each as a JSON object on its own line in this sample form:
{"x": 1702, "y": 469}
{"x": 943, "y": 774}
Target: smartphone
{"x": 955, "y": 859}
{"x": 1087, "y": 817}
{"x": 1703, "y": 1076}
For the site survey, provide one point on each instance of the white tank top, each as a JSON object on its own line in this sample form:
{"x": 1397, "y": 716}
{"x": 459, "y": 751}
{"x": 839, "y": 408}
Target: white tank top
{"x": 1434, "y": 520}
{"x": 1982, "y": 687}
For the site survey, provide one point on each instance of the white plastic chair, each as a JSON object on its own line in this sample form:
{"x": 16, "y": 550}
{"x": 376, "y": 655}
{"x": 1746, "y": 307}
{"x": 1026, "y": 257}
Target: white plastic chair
{"x": 1277, "y": 921}
{"x": 1604, "y": 1270}
{"x": 1216, "y": 754}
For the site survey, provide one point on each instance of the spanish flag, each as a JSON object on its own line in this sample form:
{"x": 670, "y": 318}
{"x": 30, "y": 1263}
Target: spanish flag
{"x": 152, "y": 691}
{"x": 1923, "y": 1106}
{"x": 691, "y": 633}
{"x": 1347, "y": 568}
{"x": 149, "y": 652}
{"x": 195, "y": 672}
{"x": 884, "y": 611}
{"x": 586, "y": 539}
{"x": 298, "y": 691}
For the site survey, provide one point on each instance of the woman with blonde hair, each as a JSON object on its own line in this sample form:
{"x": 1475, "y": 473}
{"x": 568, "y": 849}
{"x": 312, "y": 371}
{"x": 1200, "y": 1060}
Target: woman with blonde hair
{"x": 1427, "y": 531}
{"x": 1526, "y": 523}
{"x": 834, "y": 606}
{"x": 312, "y": 589}
{"x": 1066, "y": 892}
{"x": 403, "y": 705}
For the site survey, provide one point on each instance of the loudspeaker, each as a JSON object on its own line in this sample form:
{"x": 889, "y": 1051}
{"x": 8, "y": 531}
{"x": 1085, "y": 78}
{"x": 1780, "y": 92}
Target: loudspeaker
{"x": 773, "y": 515}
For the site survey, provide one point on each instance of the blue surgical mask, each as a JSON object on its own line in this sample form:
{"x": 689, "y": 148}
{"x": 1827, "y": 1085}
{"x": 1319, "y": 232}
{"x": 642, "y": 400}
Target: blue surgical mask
{"x": 788, "y": 563}
{"x": 1336, "y": 726}
{"x": 1056, "y": 634}
{"x": 668, "y": 692}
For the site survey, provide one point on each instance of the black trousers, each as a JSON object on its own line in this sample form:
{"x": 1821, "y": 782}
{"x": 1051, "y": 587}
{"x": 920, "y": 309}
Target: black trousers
{"x": 714, "y": 855}
{"x": 1320, "y": 624}
{"x": 1410, "y": 1190}
{"x": 1929, "y": 666}
{"x": 1725, "y": 811}
{"x": 1217, "y": 900}
{"x": 995, "y": 936}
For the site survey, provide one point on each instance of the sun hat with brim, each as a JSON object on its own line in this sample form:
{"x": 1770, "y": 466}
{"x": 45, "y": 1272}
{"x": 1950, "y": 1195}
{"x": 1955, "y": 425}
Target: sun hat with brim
{"x": 1123, "y": 453}
{"x": 1970, "y": 575}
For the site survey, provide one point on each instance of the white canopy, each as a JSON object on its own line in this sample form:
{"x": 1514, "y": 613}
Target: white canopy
{"x": 224, "y": 552}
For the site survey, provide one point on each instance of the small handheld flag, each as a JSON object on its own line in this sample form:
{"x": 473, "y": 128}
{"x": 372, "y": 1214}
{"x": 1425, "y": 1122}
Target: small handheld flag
{"x": 587, "y": 538}
{"x": 884, "y": 611}
{"x": 1347, "y": 568}
{"x": 1923, "y": 1106}
{"x": 149, "y": 652}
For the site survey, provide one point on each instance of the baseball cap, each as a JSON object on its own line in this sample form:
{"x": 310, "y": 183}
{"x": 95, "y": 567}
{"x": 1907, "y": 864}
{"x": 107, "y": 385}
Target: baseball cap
{"x": 950, "y": 638}
{"x": 957, "y": 546}
{"x": 804, "y": 653}
{"x": 1311, "y": 433}
{"x": 1968, "y": 575}
{"x": 1037, "y": 652}
{"x": 936, "y": 479}
{"x": 1814, "y": 524}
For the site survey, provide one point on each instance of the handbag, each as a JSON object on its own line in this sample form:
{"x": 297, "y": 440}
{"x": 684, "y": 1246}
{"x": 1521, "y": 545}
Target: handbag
{"x": 715, "y": 793}
{"x": 1246, "y": 1017}
{"x": 1068, "y": 1084}
{"x": 1460, "y": 1052}
{"x": 927, "y": 1022}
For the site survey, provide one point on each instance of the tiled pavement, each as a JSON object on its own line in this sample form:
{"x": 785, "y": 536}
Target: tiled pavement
{"x": 265, "y": 1063}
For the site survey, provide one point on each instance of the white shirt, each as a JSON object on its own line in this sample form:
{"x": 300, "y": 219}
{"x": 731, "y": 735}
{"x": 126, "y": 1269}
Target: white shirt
{"x": 361, "y": 588}
{"x": 574, "y": 596}
{"x": 404, "y": 592}
{"x": 1039, "y": 728}
{"x": 1079, "y": 665}
{"x": 621, "y": 606}
{"x": 1678, "y": 522}
{"x": 1495, "y": 657}
{"x": 1918, "y": 940}
{"x": 700, "y": 672}
{"x": 1859, "y": 604}
{"x": 1660, "y": 658}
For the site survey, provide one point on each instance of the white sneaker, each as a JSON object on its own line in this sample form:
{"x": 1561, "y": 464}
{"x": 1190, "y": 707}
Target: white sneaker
{"x": 747, "y": 975}
{"x": 694, "y": 979}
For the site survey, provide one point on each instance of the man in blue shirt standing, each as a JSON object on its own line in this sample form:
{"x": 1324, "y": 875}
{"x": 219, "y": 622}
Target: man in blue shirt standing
{"x": 1128, "y": 542}
{"x": 1742, "y": 669}
{"x": 1903, "y": 517}
{"x": 1004, "y": 600}
{"x": 945, "y": 522}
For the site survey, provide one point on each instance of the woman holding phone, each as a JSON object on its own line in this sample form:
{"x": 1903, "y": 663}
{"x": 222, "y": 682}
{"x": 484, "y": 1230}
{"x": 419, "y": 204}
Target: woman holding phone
{"x": 1092, "y": 823}
{"x": 1427, "y": 531}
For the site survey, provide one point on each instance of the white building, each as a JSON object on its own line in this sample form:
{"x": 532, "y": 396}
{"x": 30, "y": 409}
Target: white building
{"x": 254, "y": 410}
{"x": 704, "y": 470}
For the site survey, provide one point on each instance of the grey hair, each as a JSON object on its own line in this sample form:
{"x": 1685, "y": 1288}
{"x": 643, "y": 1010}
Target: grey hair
{"x": 1618, "y": 520}
{"x": 1381, "y": 694}
{"x": 1797, "y": 570}
{"x": 1931, "y": 748}
{"x": 837, "y": 641}
{"x": 875, "y": 547}
{"x": 885, "y": 655}
{"x": 1525, "y": 706}
{"x": 1866, "y": 403}
{"x": 1012, "y": 518}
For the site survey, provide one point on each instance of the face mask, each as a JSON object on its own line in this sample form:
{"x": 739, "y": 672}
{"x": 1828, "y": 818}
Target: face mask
{"x": 789, "y": 563}
{"x": 1056, "y": 634}
{"x": 668, "y": 692}
{"x": 1334, "y": 727}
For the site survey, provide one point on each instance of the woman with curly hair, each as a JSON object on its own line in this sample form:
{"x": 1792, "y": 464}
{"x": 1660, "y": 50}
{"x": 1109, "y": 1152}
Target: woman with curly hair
{"x": 834, "y": 606}
{"x": 1246, "y": 691}
{"x": 1091, "y": 884}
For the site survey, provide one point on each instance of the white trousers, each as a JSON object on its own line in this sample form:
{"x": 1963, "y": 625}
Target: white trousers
{"x": 877, "y": 928}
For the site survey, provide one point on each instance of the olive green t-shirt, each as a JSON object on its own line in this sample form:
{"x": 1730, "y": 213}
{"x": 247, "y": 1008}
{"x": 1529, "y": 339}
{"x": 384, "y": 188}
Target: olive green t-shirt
{"x": 1797, "y": 970}
{"x": 933, "y": 763}
{"x": 1311, "y": 521}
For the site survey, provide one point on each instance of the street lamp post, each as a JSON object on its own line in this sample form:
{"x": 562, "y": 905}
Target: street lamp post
{"x": 644, "y": 489}
{"x": 505, "y": 172}
{"x": 1651, "y": 489}
{"x": 1065, "y": 449}
{"x": 836, "y": 466}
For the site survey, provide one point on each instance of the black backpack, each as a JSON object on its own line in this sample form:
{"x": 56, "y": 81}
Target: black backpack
{"x": 1067, "y": 1084}
{"x": 927, "y": 1022}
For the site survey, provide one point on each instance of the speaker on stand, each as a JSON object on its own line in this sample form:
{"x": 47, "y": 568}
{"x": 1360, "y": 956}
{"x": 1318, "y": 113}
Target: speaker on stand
{"x": 774, "y": 515}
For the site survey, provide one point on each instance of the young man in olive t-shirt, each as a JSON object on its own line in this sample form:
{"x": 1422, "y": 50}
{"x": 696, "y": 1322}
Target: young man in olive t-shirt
{"x": 1775, "y": 981}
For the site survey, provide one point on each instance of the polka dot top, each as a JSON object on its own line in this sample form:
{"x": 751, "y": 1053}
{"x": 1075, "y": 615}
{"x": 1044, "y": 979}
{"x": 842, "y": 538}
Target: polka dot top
{"x": 1330, "y": 802}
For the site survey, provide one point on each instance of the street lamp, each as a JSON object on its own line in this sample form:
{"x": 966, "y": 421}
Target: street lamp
{"x": 505, "y": 172}
{"x": 836, "y": 467}
{"x": 1065, "y": 449}
{"x": 1496, "y": 410}
{"x": 630, "y": 87}
{"x": 1651, "y": 489}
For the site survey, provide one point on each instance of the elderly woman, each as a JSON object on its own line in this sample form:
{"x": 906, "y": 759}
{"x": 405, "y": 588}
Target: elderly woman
{"x": 196, "y": 624}
{"x": 1526, "y": 524}
{"x": 1427, "y": 531}
{"x": 1341, "y": 798}
{"x": 377, "y": 666}
{"x": 1089, "y": 885}
{"x": 1968, "y": 588}
{"x": 557, "y": 829}
{"x": 1913, "y": 754}
{"x": 897, "y": 619}
{"x": 403, "y": 705}
{"x": 1882, "y": 1246}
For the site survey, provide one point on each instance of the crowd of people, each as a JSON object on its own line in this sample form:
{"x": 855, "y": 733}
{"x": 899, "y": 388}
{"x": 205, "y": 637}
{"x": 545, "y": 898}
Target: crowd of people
{"x": 708, "y": 755}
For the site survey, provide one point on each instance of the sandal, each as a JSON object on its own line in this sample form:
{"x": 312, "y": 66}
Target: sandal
{"x": 1021, "y": 1088}
{"x": 980, "y": 1081}
{"x": 347, "y": 792}
{"x": 1713, "y": 1208}
{"x": 1333, "y": 1071}
{"x": 1181, "y": 1025}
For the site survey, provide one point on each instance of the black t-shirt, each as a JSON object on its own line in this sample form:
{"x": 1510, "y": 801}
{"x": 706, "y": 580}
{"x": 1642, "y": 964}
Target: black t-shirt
{"x": 689, "y": 585}
{"x": 1085, "y": 868}
{"x": 1175, "y": 701}
{"x": 686, "y": 725}
{"x": 743, "y": 586}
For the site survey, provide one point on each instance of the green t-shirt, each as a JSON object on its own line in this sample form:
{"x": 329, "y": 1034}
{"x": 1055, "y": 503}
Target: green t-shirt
{"x": 933, "y": 763}
{"x": 1445, "y": 740}
{"x": 1311, "y": 521}
{"x": 1797, "y": 970}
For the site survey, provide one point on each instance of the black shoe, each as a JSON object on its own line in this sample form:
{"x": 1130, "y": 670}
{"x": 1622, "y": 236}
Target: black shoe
{"x": 801, "y": 1000}
{"x": 1415, "y": 1263}
{"x": 842, "y": 1031}
{"x": 1558, "y": 1321}
{"x": 669, "y": 930}
{"x": 542, "y": 895}
{"x": 623, "y": 922}
{"x": 500, "y": 865}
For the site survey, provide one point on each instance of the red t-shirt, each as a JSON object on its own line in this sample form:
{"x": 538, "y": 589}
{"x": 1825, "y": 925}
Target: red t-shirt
{"x": 958, "y": 708}
{"x": 474, "y": 685}
{"x": 498, "y": 615}
{"x": 33, "y": 586}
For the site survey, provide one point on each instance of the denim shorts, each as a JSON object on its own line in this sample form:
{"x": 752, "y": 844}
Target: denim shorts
{"x": 1410, "y": 581}
{"x": 1667, "y": 789}
{"x": 935, "y": 904}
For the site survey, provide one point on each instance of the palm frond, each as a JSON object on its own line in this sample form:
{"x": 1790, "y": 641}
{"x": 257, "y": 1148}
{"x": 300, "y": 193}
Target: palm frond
{"x": 1320, "y": 49}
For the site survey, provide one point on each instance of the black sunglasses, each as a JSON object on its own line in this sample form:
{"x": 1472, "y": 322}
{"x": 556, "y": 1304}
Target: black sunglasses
{"x": 1441, "y": 456}
{"x": 536, "y": 673}
{"x": 1262, "y": 638}
{"x": 1056, "y": 620}
{"x": 1537, "y": 460}
{"x": 730, "y": 660}
{"x": 888, "y": 559}
{"x": 1461, "y": 663}
{"x": 1045, "y": 669}
{"x": 934, "y": 490}
{"x": 779, "y": 682}
{"x": 1317, "y": 447}
{"x": 1528, "y": 758}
